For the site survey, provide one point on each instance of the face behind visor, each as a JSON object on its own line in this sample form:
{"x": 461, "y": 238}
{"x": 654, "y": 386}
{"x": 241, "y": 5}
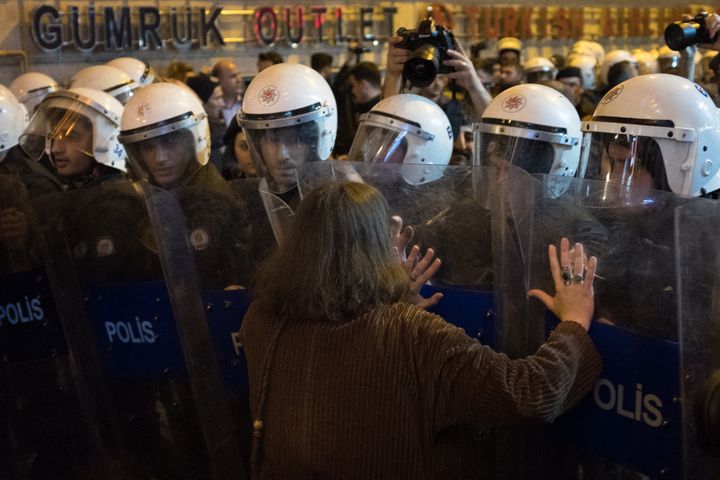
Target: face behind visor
{"x": 630, "y": 160}
{"x": 165, "y": 160}
{"x": 278, "y": 152}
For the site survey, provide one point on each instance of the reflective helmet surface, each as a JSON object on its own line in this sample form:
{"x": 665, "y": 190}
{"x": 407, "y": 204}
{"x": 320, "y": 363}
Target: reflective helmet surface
{"x": 666, "y": 125}
{"x": 165, "y": 123}
{"x": 13, "y": 119}
{"x": 108, "y": 79}
{"x": 534, "y": 127}
{"x": 288, "y": 107}
{"x": 59, "y": 115}
{"x": 141, "y": 72}
{"x": 31, "y": 87}
{"x": 408, "y": 129}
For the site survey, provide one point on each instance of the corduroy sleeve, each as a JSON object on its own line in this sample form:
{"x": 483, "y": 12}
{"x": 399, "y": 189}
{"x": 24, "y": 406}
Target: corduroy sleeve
{"x": 471, "y": 383}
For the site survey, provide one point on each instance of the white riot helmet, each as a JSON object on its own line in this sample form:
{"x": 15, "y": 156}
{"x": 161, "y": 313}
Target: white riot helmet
{"x": 13, "y": 120}
{"x": 408, "y": 129}
{"x": 140, "y": 71}
{"x": 166, "y": 133}
{"x": 588, "y": 67}
{"x": 108, "y": 79}
{"x": 647, "y": 62}
{"x": 31, "y": 87}
{"x": 533, "y": 127}
{"x": 664, "y": 125}
{"x": 86, "y": 118}
{"x": 289, "y": 117}
{"x": 588, "y": 47}
{"x": 613, "y": 58}
{"x": 539, "y": 68}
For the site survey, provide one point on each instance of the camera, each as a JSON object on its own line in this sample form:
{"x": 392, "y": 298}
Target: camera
{"x": 679, "y": 35}
{"x": 358, "y": 48}
{"x": 429, "y": 45}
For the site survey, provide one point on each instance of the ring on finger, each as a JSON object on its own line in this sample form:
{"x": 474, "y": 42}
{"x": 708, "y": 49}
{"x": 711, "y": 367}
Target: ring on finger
{"x": 566, "y": 275}
{"x": 578, "y": 278}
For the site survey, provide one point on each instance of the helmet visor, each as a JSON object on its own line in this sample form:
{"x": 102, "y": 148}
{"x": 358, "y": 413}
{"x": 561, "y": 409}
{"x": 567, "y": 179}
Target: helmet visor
{"x": 379, "y": 145}
{"x": 66, "y": 120}
{"x": 533, "y": 156}
{"x": 278, "y": 152}
{"x": 165, "y": 160}
{"x": 629, "y": 160}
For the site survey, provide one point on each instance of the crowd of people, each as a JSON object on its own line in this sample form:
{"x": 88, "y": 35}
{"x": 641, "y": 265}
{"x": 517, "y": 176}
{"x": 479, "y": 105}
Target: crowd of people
{"x": 639, "y": 120}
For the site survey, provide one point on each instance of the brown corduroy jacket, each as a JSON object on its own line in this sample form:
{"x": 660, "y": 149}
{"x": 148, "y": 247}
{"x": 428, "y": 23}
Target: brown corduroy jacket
{"x": 375, "y": 397}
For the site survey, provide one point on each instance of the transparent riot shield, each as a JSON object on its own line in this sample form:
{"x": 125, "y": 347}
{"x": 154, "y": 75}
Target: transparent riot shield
{"x": 139, "y": 257}
{"x": 479, "y": 222}
{"x": 698, "y": 259}
{"x": 629, "y": 425}
{"x": 48, "y": 422}
{"x": 438, "y": 202}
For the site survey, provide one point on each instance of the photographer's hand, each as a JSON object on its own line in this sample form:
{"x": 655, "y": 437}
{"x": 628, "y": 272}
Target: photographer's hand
{"x": 712, "y": 24}
{"x": 396, "y": 58}
{"x": 466, "y": 76}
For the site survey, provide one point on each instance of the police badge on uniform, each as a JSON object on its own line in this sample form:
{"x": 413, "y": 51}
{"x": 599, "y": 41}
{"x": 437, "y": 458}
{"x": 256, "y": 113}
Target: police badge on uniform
{"x": 199, "y": 239}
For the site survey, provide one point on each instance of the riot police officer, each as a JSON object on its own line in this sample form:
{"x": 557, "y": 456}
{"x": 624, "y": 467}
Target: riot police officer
{"x": 78, "y": 130}
{"x": 31, "y": 88}
{"x": 165, "y": 131}
{"x": 108, "y": 79}
{"x": 289, "y": 117}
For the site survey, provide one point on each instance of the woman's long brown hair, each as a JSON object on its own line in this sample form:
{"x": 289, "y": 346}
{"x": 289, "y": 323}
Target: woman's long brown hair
{"x": 337, "y": 261}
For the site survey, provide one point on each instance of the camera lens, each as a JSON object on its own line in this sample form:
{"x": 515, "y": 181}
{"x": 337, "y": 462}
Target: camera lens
{"x": 422, "y": 66}
{"x": 679, "y": 35}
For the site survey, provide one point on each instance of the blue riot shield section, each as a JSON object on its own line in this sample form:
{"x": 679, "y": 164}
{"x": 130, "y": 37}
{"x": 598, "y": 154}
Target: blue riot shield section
{"x": 633, "y": 416}
{"x": 29, "y": 324}
{"x": 473, "y": 311}
{"x": 137, "y": 257}
{"x": 631, "y": 424}
{"x": 135, "y": 330}
{"x": 225, "y": 311}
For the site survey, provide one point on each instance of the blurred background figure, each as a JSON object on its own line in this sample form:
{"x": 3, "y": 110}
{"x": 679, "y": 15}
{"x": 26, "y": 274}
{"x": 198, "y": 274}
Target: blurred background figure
{"x": 572, "y": 78}
{"x": 211, "y": 95}
{"x": 226, "y": 73}
{"x": 647, "y": 62}
{"x": 510, "y": 75}
{"x": 322, "y": 63}
{"x": 509, "y": 51}
{"x": 268, "y": 59}
{"x": 237, "y": 161}
{"x": 539, "y": 68}
{"x": 364, "y": 88}
{"x": 179, "y": 71}
{"x": 668, "y": 60}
